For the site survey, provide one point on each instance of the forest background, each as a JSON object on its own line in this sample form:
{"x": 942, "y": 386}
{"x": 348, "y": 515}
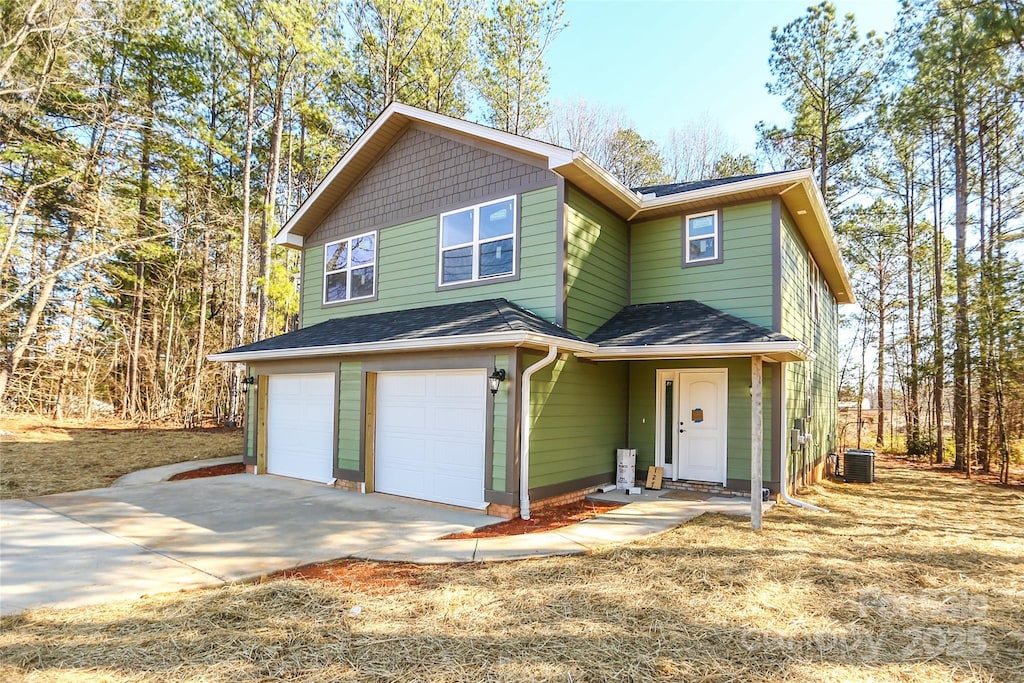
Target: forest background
{"x": 150, "y": 150}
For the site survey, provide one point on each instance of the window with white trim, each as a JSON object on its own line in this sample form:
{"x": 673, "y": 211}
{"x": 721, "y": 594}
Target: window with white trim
{"x": 813, "y": 288}
{"x": 478, "y": 243}
{"x": 350, "y": 268}
{"x": 702, "y": 238}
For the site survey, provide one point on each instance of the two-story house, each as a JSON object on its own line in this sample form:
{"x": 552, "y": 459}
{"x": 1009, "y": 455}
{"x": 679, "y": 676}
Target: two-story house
{"x": 487, "y": 318}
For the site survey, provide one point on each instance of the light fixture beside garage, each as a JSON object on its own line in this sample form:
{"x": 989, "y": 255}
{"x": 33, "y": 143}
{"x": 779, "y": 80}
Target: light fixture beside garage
{"x": 247, "y": 382}
{"x": 495, "y": 380}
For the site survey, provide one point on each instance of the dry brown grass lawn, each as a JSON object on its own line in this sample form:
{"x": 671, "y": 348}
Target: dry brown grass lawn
{"x": 38, "y": 456}
{"x": 916, "y": 578}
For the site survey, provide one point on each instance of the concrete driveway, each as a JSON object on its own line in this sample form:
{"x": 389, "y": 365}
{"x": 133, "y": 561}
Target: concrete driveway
{"x": 93, "y": 546}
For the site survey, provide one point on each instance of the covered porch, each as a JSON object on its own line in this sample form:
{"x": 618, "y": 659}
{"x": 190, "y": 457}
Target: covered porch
{"x": 706, "y": 396}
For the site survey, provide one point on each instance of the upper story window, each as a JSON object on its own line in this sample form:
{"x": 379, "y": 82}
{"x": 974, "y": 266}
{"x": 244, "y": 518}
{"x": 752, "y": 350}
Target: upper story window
{"x": 478, "y": 243}
{"x": 350, "y": 268}
{"x": 813, "y": 288}
{"x": 702, "y": 238}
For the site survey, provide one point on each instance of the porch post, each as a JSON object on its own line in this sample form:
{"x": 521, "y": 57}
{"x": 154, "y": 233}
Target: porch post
{"x": 756, "y": 440}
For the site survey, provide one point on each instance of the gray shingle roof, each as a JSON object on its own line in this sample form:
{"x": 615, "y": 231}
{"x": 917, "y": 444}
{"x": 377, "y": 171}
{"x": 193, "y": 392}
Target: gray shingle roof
{"x": 676, "y": 188}
{"x": 448, "y": 320}
{"x": 679, "y": 322}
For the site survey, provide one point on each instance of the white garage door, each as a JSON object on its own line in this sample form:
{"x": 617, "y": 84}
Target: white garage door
{"x": 300, "y": 426}
{"x": 430, "y": 436}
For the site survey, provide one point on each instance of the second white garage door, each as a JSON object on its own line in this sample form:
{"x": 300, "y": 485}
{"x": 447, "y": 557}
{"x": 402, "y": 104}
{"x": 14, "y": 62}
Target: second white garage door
{"x": 300, "y": 426}
{"x": 430, "y": 436}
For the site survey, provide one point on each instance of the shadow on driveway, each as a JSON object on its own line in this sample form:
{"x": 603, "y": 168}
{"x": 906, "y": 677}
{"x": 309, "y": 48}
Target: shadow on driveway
{"x": 93, "y": 546}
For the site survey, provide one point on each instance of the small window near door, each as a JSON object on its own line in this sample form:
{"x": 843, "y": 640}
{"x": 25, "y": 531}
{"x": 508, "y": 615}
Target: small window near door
{"x": 813, "y": 289}
{"x": 702, "y": 239}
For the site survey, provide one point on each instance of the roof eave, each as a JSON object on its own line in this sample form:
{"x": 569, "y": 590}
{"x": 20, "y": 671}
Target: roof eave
{"x": 590, "y": 177}
{"x": 493, "y": 339}
{"x": 651, "y": 202}
{"x": 813, "y": 222}
{"x": 776, "y": 351}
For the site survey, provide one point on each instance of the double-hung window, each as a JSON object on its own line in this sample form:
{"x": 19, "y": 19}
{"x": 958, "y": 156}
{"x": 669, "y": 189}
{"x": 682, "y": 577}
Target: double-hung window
{"x": 350, "y": 268}
{"x": 478, "y": 243}
{"x": 813, "y": 288}
{"x": 702, "y": 238}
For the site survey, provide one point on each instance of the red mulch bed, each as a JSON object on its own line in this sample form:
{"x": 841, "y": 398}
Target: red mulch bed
{"x": 382, "y": 578}
{"x": 374, "y": 578}
{"x": 542, "y": 520}
{"x": 212, "y": 471}
{"x": 991, "y": 478}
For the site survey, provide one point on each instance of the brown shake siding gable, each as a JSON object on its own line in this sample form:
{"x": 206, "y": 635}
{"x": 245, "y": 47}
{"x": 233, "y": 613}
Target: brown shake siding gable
{"x": 425, "y": 173}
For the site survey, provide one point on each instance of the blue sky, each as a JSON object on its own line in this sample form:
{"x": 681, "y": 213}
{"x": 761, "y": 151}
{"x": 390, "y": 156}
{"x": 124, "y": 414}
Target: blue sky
{"x": 669, "y": 62}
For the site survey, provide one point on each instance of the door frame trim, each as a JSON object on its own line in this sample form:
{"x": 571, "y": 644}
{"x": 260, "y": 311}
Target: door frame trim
{"x": 663, "y": 374}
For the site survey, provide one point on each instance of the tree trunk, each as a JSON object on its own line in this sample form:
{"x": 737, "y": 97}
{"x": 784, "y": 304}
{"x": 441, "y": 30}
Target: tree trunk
{"x": 961, "y": 340}
{"x": 880, "y": 393}
{"x": 939, "y": 378}
{"x": 913, "y": 377}
{"x": 243, "y": 270}
{"x": 269, "y": 221}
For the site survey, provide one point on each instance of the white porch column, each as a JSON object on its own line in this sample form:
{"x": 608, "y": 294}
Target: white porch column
{"x": 756, "y": 439}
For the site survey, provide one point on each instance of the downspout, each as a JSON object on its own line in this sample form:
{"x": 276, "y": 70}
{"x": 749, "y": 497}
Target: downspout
{"x": 524, "y": 432}
{"x": 784, "y": 474}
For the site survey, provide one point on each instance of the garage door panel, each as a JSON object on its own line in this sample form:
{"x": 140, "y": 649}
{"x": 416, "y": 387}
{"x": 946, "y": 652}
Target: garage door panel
{"x": 300, "y": 426}
{"x": 403, "y": 417}
{"x": 457, "y": 420}
{"x": 457, "y": 453}
{"x": 457, "y": 386}
{"x": 430, "y": 436}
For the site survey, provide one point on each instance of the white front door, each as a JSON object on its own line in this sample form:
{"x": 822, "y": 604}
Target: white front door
{"x": 692, "y": 424}
{"x": 430, "y": 436}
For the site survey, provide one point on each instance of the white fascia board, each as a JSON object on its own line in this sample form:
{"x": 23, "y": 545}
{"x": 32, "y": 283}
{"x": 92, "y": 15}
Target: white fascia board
{"x": 314, "y": 196}
{"x": 818, "y": 201}
{"x": 610, "y": 182}
{"x": 430, "y": 343}
{"x": 795, "y": 349}
{"x": 289, "y": 240}
{"x": 652, "y": 202}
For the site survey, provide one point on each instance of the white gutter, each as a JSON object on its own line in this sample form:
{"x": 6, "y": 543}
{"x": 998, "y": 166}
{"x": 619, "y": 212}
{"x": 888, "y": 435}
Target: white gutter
{"x": 466, "y": 340}
{"x": 524, "y": 431}
{"x": 795, "y": 348}
{"x": 784, "y": 474}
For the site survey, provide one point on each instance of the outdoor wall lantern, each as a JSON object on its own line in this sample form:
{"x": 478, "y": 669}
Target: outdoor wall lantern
{"x": 495, "y": 380}
{"x": 246, "y": 382}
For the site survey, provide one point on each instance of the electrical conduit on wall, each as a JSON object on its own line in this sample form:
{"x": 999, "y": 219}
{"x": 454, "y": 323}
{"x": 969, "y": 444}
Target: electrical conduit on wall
{"x": 784, "y": 474}
{"x": 524, "y": 444}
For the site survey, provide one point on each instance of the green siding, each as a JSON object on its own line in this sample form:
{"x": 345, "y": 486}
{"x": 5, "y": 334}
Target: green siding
{"x": 741, "y": 284}
{"x": 578, "y": 417}
{"x": 643, "y": 412}
{"x": 819, "y": 376}
{"x": 250, "y": 423}
{"x": 795, "y": 319}
{"x": 597, "y": 264}
{"x": 350, "y": 414}
{"x": 407, "y": 268}
{"x": 500, "y": 423}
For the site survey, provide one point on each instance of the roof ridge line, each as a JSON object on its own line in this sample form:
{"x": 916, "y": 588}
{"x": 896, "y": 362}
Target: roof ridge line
{"x": 497, "y": 307}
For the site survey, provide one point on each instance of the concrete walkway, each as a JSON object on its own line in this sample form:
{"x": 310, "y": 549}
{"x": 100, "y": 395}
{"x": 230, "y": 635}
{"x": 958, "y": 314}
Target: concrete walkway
{"x": 146, "y": 535}
{"x": 164, "y": 473}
